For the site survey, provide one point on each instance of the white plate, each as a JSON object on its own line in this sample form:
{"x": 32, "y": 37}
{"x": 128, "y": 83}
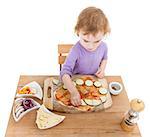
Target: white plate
{"x": 33, "y": 85}
{"x": 52, "y": 118}
{"x": 37, "y": 105}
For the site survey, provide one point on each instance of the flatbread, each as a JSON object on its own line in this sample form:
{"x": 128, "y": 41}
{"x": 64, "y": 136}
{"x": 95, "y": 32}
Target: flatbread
{"x": 47, "y": 119}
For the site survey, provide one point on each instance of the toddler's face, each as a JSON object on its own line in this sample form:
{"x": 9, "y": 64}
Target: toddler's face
{"x": 90, "y": 42}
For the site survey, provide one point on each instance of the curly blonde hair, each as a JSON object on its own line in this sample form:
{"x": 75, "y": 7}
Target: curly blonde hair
{"x": 92, "y": 20}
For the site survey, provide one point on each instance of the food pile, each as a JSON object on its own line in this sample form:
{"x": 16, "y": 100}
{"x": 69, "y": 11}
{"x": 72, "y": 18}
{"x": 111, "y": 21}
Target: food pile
{"x": 93, "y": 93}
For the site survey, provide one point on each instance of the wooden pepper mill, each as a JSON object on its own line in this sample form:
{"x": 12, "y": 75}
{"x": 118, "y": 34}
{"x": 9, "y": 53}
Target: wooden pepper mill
{"x": 131, "y": 117}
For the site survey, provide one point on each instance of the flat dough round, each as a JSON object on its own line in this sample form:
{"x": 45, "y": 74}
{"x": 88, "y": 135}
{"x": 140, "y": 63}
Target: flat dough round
{"x": 88, "y": 83}
{"x": 79, "y": 82}
{"x": 47, "y": 119}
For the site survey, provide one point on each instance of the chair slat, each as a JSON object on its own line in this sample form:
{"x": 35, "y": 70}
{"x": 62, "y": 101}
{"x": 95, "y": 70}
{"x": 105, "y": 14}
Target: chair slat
{"x": 61, "y": 59}
{"x": 64, "y": 48}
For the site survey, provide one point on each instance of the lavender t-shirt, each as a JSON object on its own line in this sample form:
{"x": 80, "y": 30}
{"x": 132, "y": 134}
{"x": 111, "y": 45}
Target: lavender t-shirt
{"x": 82, "y": 61}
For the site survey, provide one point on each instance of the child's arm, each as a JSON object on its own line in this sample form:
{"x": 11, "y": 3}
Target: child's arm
{"x": 101, "y": 71}
{"x": 103, "y": 65}
{"x": 75, "y": 96}
{"x": 66, "y": 73}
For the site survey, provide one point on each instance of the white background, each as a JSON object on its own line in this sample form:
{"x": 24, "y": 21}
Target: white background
{"x": 30, "y": 31}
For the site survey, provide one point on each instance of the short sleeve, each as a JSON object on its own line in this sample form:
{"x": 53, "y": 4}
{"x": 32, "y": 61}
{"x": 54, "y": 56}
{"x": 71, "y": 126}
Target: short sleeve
{"x": 70, "y": 62}
{"x": 105, "y": 55}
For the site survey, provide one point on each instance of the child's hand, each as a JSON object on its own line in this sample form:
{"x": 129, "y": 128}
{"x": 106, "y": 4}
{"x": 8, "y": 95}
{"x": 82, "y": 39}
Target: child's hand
{"x": 75, "y": 98}
{"x": 100, "y": 73}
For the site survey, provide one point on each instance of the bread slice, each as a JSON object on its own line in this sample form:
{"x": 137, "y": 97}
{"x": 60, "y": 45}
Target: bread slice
{"x": 47, "y": 119}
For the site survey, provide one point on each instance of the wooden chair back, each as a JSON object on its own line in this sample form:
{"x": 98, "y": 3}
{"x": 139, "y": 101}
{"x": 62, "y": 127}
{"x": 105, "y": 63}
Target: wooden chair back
{"x": 63, "y": 50}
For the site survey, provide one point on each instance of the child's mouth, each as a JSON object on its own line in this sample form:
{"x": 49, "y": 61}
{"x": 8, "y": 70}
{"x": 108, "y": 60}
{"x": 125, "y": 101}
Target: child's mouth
{"x": 90, "y": 49}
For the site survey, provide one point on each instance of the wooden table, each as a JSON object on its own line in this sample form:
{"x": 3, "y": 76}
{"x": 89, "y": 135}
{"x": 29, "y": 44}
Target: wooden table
{"x": 104, "y": 124}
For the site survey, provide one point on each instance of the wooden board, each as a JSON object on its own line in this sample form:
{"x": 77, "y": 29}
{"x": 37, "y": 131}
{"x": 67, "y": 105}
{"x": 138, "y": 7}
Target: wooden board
{"x": 52, "y": 103}
{"x": 104, "y": 124}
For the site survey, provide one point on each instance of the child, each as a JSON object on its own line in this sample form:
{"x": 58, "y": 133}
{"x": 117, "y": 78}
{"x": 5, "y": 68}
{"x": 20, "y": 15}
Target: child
{"x": 89, "y": 54}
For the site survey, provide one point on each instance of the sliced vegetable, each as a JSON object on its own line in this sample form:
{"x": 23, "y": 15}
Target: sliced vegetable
{"x": 64, "y": 87}
{"x": 22, "y": 106}
{"x": 92, "y": 102}
{"x": 79, "y": 82}
{"x": 74, "y": 83}
{"x": 27, "y": 90}
{"x": 96, "y": 102}
{"x": 103, "y": 91}
{"x": 19, "y": 112}
{"x": 83, "y": 103}
{"x": 88, "y": 83}
{"x": 33, "y": 91}
{"x": 103, "y": 99}
{"x": 18, "y": 108}
{"x": 55, "y": 81}
{"x": 97, "y": 84}
{"x": 18, "y": 103}
{"x": 27, "y": 104}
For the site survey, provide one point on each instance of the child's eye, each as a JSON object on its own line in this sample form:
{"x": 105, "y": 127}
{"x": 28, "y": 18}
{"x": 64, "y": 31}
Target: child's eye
{"x": 97, "y": 41}
{"x": 86, "y": 41}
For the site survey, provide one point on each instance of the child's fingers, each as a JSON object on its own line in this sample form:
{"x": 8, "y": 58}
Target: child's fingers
{"x": 73, "y": 103}
{"x": 97, "y": 74}
{"x": 99, "y": 71}
{"x": 76, "y": 102}
{"x": 100, "y": 75}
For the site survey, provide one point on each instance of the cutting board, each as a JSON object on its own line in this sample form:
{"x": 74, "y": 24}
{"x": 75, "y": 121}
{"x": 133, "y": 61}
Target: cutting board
{"x": 52, "y": 103}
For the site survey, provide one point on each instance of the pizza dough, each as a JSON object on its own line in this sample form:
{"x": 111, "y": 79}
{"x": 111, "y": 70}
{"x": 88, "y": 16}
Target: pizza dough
{"x": 93, "y": 95}
{"x": 47, "y": 119}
